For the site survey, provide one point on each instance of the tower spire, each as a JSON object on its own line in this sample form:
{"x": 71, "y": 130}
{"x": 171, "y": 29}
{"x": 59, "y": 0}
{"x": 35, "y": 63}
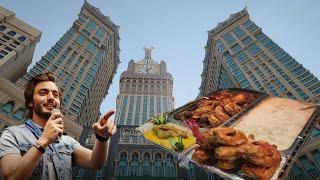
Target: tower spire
{"x": 147, "y": 52}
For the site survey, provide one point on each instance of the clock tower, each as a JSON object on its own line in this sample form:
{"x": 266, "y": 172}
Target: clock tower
{"x": 145, "y": 91}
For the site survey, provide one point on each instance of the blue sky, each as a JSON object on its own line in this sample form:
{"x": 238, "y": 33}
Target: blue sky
{"x": 177, "y": 29}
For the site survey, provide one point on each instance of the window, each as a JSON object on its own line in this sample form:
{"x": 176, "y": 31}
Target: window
{"x": 157, "y": 165}
{"x": 134, "y": 165}
{"x": 122, "y": 164}
{"x": 80, "y": 39}
{"x": 315, "y": 133}
{"x": 254, "y": 49}
{"x": 18, "y": 115}
{"x": 100, "y": 33}
{"x": 170, "y": 170}
{"x": 2, "y": 28}
{"x": 8, "y": 107}
{"x": 146, "y": 165}
{"x": 235, "y": 48}
{"x": 228, "y": 38}
{"x": 91, "y": 47}
{"x": 91, "y": 26}
{"x": 11, "y": 33}
{"x": 247, "y": 40}
{"x": 242, "y": 56}
{"x": 191, "y": 173}
{"x": 238, "y": 32}
{"x": 22, "y": 38}
{"x": 220, "y": 46}
{"x": 316, "y": 155}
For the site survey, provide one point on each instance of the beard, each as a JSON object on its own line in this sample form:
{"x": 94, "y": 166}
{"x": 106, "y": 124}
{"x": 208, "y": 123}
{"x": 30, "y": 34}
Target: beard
{"x": 38, "y": 110}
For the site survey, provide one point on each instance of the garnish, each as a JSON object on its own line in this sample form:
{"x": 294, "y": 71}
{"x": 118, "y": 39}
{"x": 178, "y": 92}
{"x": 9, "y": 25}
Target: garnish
{"x": 160, "y": 119}
{"x": 177, "y": 144}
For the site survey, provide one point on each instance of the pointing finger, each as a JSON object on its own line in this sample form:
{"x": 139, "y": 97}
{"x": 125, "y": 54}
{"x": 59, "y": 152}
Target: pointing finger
{"x": 106, "y": 117}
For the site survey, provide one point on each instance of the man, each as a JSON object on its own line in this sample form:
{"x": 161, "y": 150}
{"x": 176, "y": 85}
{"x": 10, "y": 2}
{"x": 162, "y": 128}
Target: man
{"x": 38, "y": 149}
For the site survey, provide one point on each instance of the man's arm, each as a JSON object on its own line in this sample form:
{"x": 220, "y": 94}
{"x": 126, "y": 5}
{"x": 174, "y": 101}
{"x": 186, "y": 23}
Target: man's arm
{"x": 96, "y": 158}
{"x": 15, "y": 166}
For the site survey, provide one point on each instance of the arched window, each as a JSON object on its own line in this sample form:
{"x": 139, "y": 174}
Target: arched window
{"x": 19, "y": 115}
{"x": 146, "y": 165}
{"x": 157, "y": 165}
{"x": 134, "y": 164}
{"x": 191, "y": 173}
{"x": 2, "y": 28}
{"x": 122, "y": 164}
{"x": 11, "y": 33}
{"x": 170, "y": 170}
{"x": 22, "y": 38}
{"x": 8, "y": 107}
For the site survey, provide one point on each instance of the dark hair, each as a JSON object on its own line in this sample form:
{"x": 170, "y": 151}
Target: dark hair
{"x": 29, "y": 88}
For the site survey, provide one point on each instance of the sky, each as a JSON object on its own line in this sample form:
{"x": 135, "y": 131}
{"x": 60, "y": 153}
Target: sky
{"x": 177, "y": 29}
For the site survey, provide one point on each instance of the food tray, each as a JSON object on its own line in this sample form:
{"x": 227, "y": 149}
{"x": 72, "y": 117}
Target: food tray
{"x": 172, "y": 116}
{"x": 296, "y": 120}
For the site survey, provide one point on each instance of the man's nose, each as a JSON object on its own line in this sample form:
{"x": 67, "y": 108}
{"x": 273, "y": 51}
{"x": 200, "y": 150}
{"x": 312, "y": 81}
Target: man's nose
{"x": 50, "y": 95}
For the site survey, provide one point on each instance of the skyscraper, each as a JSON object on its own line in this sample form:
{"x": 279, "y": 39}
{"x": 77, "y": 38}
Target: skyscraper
{"x": 17, "y": 43}
{"x": 239, "y": 54}
{"x": 145, "y": 90}
{"x": 84, "y": 60}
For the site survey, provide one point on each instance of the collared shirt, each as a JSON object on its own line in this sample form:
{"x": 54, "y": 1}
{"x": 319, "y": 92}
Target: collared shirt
{"x": 19, "y": 139}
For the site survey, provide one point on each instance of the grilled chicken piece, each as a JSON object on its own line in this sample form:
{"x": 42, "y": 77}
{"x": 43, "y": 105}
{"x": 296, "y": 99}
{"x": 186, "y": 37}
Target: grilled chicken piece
{"x": 166, "y": 131}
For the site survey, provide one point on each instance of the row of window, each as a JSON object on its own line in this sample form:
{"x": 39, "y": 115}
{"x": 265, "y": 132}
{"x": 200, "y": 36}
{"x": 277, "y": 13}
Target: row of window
{"x": 12, "y": 33}
{"x": 134, "y": 168}
{"x": 142, "y": 103}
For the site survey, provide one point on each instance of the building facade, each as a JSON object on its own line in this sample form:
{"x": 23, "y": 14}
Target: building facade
{"x": 17, "y": 44}
{"x": 239, "y": 54}
{"x": 84, "y": 60}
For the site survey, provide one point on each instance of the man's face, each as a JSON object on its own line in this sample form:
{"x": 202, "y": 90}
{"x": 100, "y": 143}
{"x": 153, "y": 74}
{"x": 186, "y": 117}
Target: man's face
{"x": 45, "y": 99}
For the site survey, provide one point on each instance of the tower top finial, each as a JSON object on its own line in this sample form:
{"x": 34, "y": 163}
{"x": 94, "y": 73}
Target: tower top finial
{"x": 246, "y": 5}
{"x": 147, "y": 52}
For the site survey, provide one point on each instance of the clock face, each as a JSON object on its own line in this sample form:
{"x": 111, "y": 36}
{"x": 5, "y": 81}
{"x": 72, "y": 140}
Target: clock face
{"x": 147, "y": 69}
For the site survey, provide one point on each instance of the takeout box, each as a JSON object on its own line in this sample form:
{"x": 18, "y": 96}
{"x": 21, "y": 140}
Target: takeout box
{"x": 283, "y": 122}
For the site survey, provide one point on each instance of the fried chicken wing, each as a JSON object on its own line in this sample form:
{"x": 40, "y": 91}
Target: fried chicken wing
{"x": 202, "y": 156}
{"x": 232, "y": 108}
{"x": 258, "y": 172}
{"x": 220, "y": 113}
{"x": 262, "y": 153}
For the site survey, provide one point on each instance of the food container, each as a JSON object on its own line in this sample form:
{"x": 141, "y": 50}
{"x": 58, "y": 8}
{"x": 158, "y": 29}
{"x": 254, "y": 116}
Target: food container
{"x": 283, "y": 122}
{"x": 201, "y": 107}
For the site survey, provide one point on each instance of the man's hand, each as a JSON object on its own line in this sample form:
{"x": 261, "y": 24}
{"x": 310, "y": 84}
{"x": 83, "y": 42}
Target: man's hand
{"x": 53, "y": 128}
{"x": 105, "y": 127}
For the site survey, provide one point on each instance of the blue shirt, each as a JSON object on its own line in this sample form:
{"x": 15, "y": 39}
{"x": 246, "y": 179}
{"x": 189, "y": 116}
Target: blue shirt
{"x": 19, "y": 139}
